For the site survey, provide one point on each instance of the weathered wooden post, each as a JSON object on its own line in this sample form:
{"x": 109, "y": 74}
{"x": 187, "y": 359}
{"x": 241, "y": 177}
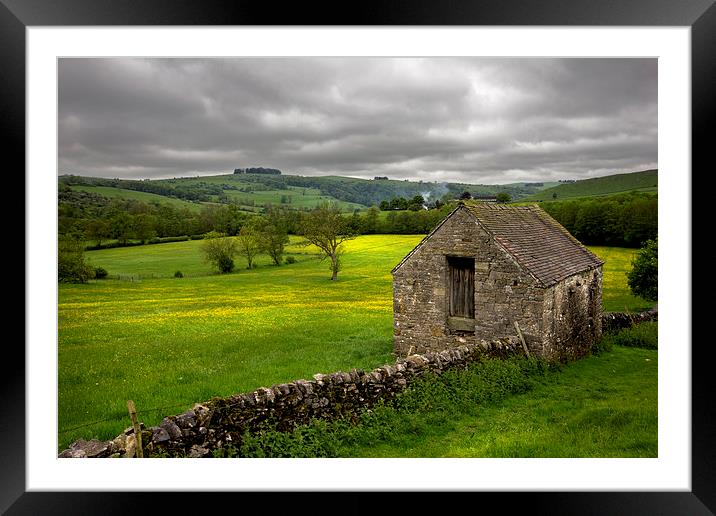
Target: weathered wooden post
{"x": 137, "y": 430}
{"x": 522, "y": 339}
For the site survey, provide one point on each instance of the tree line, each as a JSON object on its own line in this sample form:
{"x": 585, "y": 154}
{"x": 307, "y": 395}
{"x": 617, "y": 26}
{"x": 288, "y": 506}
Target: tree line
{"x": 624, "y": 220}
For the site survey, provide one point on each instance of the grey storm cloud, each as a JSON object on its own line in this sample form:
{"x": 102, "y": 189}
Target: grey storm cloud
{"x": 473, "y": 120}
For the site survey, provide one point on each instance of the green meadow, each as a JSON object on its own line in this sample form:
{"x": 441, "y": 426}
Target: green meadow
{"x": 168, "y": 342}
{"x": 123, "y": 193}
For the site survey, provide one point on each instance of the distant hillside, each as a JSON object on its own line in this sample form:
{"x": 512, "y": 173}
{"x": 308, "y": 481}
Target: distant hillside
{"x": 123, "y": 193}
{"x": 253, "y": 191}
{"x": 644, "y": 181}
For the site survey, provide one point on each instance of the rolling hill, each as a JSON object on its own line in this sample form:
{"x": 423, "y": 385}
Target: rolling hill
{"x": 644, "y": 181}
{"x": 252, "y": 192}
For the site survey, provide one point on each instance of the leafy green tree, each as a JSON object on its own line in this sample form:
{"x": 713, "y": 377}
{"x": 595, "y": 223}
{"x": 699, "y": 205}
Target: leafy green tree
{"x": 416, "y": 203}
{"x": 249, "y": 241}
{"x": 97, "y": 230}
{"x": 121, "y": 226}
{"x": 143, "y": 226}
{"x": 643, "y": 277}
{"x": 219, "y": 250}
{"x": 327, "y": 229}
{"x": 503, "y": 197}
{"x": 370, "y": 223}
{"x": 272, "y": 233}
{"x": 71, "y": 264}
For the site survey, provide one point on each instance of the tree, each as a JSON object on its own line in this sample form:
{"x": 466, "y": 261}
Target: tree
{"x": 71, "y": 264}
{"x": 272, "y": 233}
{"x": 465, "y": 195}
{"x": 370, "y": 224}
{"x": 121, "y": 226}
{"x": 643, "y": 277}
{"x": 249, "y": 241}
{"x": 503, "y": 197}
{"x": 97, "y": 230}
{"x": 416, "y": 203}
{"x": 143, "y": 226}
{"x": 327, "y": 229}
{"x": 219, "y": 250}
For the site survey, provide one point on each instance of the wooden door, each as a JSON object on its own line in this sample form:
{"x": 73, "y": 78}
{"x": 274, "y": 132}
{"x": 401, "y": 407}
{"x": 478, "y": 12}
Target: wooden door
{"x": 461, "y": 287}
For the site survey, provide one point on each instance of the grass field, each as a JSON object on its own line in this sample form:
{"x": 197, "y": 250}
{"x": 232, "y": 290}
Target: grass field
{"x": 169, "y": 342}
{"x": 644, "y": 181}
{"x": 296, "y": 198}
{"x": 123, "y": 193}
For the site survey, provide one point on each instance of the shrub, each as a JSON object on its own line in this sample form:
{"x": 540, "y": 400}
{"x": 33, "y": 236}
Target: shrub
{"x": 175, "y": 239}
{"x": 71, "y": 264}
{"x": 178, "y": 274}
{"x": 225, "y": 264}
{"x": 196, "y": 237}
{"x": 603, "y": 345}
{"x": 219, "y": 250}
{"x": 100, "y": 272}
{"x": 643, "y": 277}
{"x": 290, "y": 259}
{"x": 642, "y": 335}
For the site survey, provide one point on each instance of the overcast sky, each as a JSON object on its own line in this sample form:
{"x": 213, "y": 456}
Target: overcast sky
{"x": 473, "y": 120}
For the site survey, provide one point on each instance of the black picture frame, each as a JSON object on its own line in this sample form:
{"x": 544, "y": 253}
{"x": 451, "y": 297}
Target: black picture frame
{"x": 700, "y": 15}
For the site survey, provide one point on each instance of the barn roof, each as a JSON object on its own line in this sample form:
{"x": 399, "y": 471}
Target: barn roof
{"x": 536, "y": 241}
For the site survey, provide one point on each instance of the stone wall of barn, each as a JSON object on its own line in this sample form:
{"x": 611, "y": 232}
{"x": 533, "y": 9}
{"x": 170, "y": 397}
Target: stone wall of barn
{"x": 504, "y": 292}
{"x": 572, "y": 316}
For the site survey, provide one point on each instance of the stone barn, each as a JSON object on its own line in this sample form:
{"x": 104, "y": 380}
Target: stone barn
{"x": 491, "y": 271}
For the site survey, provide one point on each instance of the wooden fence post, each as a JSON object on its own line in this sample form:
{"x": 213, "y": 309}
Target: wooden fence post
{"x": 522, "y": 339}
{"x": 137, "y": 430}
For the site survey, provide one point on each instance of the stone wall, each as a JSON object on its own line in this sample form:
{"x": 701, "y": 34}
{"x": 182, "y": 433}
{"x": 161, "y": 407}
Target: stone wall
{"x": 504, "y": 292}
{"x": 614, "y": 321}
{"x": 220, "y": 422}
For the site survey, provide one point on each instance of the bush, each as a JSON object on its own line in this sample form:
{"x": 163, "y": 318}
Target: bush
{"x": 642, "y": 335}
{"x": 178, "y": 274}
{"x": 643, "y": 277}
{"x": 100, "y": 272}
{"x": 174, "y": 239}
{"x": 225, "y": 264}
{"x": 603, "y": 345}
{"x": 290, "y": 259}
{"x": 219, "y": 250}
{"x": 196, "y": 237}
{"x": 71, "y": 264}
